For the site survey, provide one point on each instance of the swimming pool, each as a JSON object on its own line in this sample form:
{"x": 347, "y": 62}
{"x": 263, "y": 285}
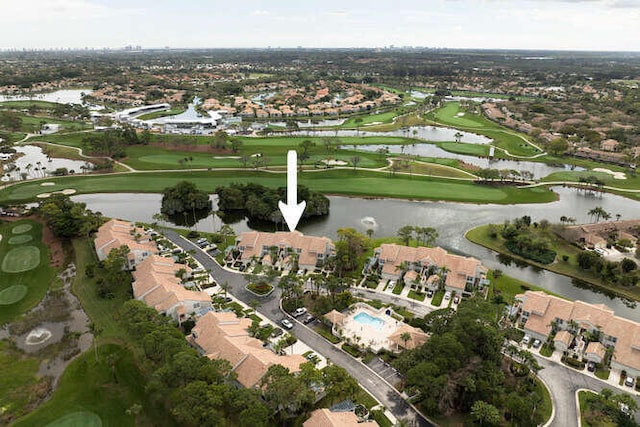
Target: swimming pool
{"x": 367, "y": 319}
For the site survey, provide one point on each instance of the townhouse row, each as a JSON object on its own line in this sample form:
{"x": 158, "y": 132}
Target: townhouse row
{"x": 589, "y": 330}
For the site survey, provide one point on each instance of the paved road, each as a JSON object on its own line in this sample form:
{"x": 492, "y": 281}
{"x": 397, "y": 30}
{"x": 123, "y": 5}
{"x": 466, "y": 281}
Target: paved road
{"x": 563, "y": 382}
{"x": 270, "y": 308}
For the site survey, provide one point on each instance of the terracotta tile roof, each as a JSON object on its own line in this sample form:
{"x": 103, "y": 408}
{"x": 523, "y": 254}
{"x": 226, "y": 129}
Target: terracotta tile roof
{"x": 459, "y": 267}
{"x": 564, "y": 337}
{"x": 596, "y": 348}
{"x": 417, "y": 337}
{"x": 309, "y": 247}
{"x": 222, "y": 335}
{"x": 588, "y": 316}
{"x": 115, "y": 233}
{"x": 325, "y": 418}
{"x": 156, "y": 284}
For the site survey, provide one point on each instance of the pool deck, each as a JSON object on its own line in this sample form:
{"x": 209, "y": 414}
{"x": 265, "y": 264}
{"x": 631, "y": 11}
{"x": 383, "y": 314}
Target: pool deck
{"x": 367, "y": 335}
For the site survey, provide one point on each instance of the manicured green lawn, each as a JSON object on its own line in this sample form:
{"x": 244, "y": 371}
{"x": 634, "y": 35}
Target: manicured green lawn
{"x": 437, "y": 298}
{"x": 416, "y": 295}
{"x": 30, "y": 271}
{"x": 481, "y": 236}
{"x": 631, "y": 181}
{"x": 503, "y": 137}
{"x": 33, "y": 123}
{"x": 88, "y": 385}
{"x": 46, "y": 105}
{"x": 369, "y": 119}
{"x": 360, "y": 183}
{"x": 464, "y": 148}
{"x": 17, "y": 381}
{"x": 435, "y": 169}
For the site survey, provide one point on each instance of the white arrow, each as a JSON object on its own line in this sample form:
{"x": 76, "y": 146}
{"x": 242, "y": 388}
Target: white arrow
{"x": 292, "y": 210}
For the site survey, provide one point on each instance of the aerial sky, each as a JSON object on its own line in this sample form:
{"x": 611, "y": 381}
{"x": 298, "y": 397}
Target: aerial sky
{"x": 612, "y": 25}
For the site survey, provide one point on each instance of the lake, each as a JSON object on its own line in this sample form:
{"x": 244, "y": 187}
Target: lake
{"x": 451, "y": 220}
{"x": 63, "y": 96}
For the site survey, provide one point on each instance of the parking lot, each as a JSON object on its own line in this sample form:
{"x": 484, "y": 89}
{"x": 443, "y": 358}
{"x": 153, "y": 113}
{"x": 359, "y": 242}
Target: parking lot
{"x": 386, "y": 371}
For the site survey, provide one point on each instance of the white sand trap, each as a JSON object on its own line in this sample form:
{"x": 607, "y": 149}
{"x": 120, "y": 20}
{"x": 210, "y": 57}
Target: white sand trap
{"x": 616, "y": 175}
{"x": 43, "y": 195}
{"x": 68, "y": 191}
{"x": 373, "y": 123}
{"x": 257, "y": 155}
{"x": 226, "y": 157}
{"x": 47, "y": 184}
{"x": 334, "y": 162}
{"x": 460, "y": 114}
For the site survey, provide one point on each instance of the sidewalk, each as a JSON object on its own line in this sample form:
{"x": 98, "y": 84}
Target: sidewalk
{"x": 614, "y": 376}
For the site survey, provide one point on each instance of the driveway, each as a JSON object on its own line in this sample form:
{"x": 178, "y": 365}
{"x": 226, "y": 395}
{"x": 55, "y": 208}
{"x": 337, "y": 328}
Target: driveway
{"x": 270, "y": 308}
{"x": 563, "y": 382}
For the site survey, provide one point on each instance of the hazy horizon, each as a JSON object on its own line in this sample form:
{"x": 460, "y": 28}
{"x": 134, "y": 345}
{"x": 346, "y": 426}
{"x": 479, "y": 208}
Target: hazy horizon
{"x": 569, "y": 25}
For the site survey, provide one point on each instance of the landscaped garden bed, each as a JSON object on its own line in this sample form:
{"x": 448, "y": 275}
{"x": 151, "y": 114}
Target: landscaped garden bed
{"x": 260, "y": 289}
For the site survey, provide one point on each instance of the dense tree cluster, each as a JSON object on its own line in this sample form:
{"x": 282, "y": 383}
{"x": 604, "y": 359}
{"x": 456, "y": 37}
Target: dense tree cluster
{"x": 113, "y": 142}
{"x": 461, "y": 369}
{"x": 261, "y": 203}
{"x": 522, "y": 242}
{"x": 67, "y": 218}
{"x": 200, "y": 391}
{"x": 624, "y": 272}
{"x": 184, "y": 197}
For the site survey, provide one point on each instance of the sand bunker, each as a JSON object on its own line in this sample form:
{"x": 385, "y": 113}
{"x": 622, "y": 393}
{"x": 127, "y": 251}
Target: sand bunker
{"x": 226, "y": 157}
{"x": 334, "y": 162}
{"x": 47, "y": 184}
{"x": 616, "y": 175}
{"x": 38, "y": 336}
{"x": 460, "y": 114}
{"x": 66, "y": 191}
{"x": 373, "y": 123}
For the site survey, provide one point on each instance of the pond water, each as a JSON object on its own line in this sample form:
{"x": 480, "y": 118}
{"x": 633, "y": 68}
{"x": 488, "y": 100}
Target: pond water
{"x": 538, "y": 169}
{"x": 450, "y": 219}
{"x": 33, "y": 155}
{"x": 425, "y": 133}
{"x": 64, "y": 96}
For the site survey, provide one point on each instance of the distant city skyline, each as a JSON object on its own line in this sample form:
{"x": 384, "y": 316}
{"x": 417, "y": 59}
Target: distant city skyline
{"x": 590, "y": 25}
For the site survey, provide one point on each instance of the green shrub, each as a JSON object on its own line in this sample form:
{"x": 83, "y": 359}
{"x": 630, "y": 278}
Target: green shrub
{"x": 351, "y": 350}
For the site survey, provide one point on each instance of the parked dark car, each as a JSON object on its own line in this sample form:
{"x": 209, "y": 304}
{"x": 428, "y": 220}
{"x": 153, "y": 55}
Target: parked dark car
{"x": 308, "y": 319}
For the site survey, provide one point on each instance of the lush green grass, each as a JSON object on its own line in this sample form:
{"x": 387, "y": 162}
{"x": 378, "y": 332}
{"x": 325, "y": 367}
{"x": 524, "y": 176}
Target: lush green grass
{"x": 632, "y": 181}
{"x": 13, "y": 294}
{"x": 44, "y": 105}
{"x": 89, "y": 385}
{"x": 360, "y": 183}
{"x": 508, "y": 287}
{"x": 503, "y": 137}
{"x": 465, "y": 148}
{"x": 37, "y": 280}
{"x": 481, "y": 236}
{"x": 546, "y": 407}
{"x": 59, "y": 151}
{"x": 34, "y": 123}
{"x": 437, "y": 298}
{"x": 21, "y": 259}
{"x": 18, "y": 381}
{"x": 397, "y": 289}
{"x": 102, "y": 311}
{"x": 416, "y": 295}
{"x": 386, "y": 117}
{"x": 584, "y": 407}
{"x": 432, "y": 169}
{"x": 603, "y": 373}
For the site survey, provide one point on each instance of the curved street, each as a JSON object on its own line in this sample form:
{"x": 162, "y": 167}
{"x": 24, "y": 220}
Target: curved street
{"x": 270, "y": 308}
{"x": 562, "y": 381}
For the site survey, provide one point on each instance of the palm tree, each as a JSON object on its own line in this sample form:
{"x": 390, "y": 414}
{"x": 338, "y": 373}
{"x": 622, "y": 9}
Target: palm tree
{"x": 355, "y": 160}
{"x": 458, "y": 136}
{"x": 405, "y": 336}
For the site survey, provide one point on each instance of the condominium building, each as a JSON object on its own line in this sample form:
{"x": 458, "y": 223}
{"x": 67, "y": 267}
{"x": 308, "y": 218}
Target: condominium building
{"x": 115, "y": 233}
{"x": 423, "y": 268}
